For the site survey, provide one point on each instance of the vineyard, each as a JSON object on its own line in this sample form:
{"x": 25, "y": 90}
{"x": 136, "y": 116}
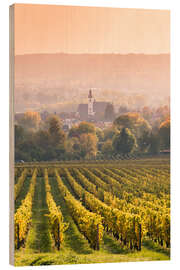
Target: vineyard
{"x": 80, "y": 212}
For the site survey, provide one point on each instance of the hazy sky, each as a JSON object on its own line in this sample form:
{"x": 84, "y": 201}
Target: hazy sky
{"x": 51, "y": 29}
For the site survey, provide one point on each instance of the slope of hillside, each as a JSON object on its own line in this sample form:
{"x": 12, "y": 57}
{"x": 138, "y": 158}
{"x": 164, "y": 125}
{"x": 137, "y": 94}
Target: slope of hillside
{"x": 45, "y": 79}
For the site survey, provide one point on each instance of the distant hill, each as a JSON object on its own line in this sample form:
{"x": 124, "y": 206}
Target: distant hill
{"x": 48, "y": 79}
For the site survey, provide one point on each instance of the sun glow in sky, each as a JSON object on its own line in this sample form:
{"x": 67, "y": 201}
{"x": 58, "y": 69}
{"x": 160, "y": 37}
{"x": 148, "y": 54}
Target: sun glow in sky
{"x": 67, "y": 29}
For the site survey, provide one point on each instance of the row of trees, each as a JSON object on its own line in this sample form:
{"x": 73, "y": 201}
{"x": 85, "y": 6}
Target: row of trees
{"x": 130, "y": 133}
{"x": 150, "y": 114}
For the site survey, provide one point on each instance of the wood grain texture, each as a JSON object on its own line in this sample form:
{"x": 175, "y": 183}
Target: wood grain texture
{"x": 11, "y": 135}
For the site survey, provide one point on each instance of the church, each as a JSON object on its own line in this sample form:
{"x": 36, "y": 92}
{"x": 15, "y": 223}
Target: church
{"x": 93, "y": 110}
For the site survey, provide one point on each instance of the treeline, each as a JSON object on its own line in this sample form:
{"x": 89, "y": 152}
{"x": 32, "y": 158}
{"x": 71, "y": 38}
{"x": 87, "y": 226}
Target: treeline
{"x": 38, "y": 140}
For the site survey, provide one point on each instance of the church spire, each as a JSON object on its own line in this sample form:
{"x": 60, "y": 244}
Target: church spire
{"x": 90, "y": 94}
{"x": 90, "y": 104}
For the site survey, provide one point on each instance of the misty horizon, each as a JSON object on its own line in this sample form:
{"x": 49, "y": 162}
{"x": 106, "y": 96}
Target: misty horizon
{"x": 62, "y": 51}
{"x": 60, "y": 81}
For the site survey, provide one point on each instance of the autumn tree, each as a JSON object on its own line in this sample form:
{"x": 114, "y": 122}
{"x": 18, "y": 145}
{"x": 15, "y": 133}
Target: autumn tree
{"x": 20, "y": 134}
{"x": 107, "y": 148}
{"x": 154, "y": 145}
{"x": 164, "y": 132}
{"x": 30, "y": 120}
{"x": 82, "y": 128}
{"x": 83, "y": 147}
{"x": 100, "y": 138}
{"x": 144, "y": 141}
{"x": 110, "y": 132}
{"x": 100, "y": 134}
{"x": 43, "y": 138}
{"x": 84, "y": 140}
{"x": 88, "y": 144}
{"x": 124, "y": 142}
{"x": 134, "y": 122}
{"x": 28, "y": 149}
{"x": 57, "y": 135}
{"x": 72, "y": 148}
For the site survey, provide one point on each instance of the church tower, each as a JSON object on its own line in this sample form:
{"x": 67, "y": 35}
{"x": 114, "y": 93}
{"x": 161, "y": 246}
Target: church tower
{"x": 90, "y": 104}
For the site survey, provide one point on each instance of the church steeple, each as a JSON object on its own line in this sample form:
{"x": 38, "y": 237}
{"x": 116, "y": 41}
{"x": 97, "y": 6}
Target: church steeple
{"x": 90, "y": 94}
{"x": 90, "y": 104}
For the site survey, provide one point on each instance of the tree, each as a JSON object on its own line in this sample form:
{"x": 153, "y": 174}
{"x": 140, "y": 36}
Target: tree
{"x": 82, "y": 128}
{"x": 100, "y": 134}
{"x": 57, "y": 135}
{"x": 70, "y": 148}
{"x": 107, "y": 148}
{"x": 43, "y": 139}
{"x": 164, "y": 132}
{"x": 133, "y": 121}
{"x": 144, "y": 141}
{"x": 84, "y": 146}
{"x": 100, "y": 138}
{"x": 85, "y": 127}
{"x": 88, "y": 145}
{"x": 154, "y": 143}
{"x": 109, "y": 114}
{"x": 30, "y": 120}
{"x": 124, "y": 142}
{"x": 28, "y": 149}
{"x": 109, "y": 133}
{"x": 47, "y": 144}
{"x": 19, "y": 133}
{"x": 73, "y": 132}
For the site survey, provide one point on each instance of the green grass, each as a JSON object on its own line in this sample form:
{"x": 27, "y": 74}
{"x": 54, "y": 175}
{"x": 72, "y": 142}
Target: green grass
{"x": 39, "y": 238}
{"x": 102, "y": 256}
{"x": 109, "y": 252}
